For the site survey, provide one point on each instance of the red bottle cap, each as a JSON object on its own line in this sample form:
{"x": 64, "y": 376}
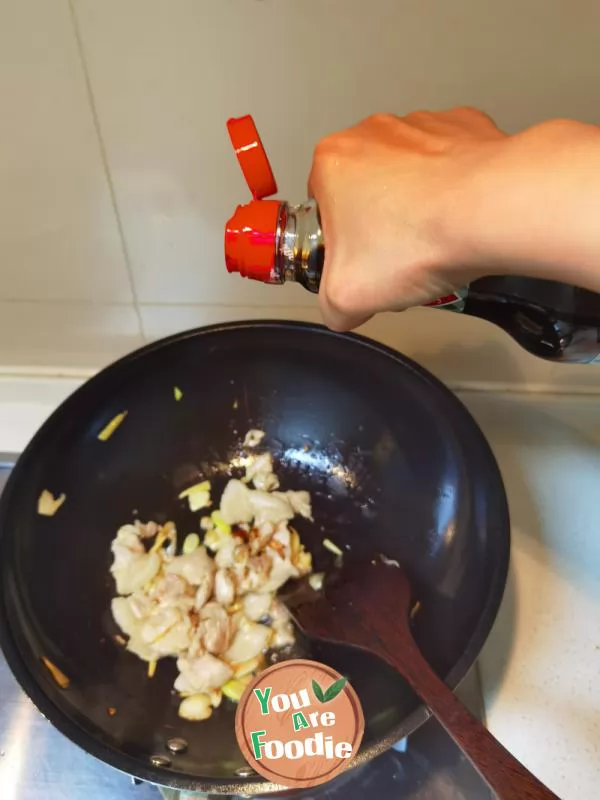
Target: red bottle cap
{"x": 251, "y": 233}
{"x": 252, "y": 157}
{"x": 250, "y": 239}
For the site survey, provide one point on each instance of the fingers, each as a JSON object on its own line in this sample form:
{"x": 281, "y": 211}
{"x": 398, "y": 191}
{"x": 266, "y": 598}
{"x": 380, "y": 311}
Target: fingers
{"x": 339, "y": 180}
{"x": 386, "y": 191}
{"x": 459, "y": 120}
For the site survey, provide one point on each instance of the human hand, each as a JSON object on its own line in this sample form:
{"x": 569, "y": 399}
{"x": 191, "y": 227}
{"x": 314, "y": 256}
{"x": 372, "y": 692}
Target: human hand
{"x": 394, "y": 197}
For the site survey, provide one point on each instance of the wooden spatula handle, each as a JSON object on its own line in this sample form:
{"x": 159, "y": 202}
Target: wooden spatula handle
{"x": 506, "y": 776}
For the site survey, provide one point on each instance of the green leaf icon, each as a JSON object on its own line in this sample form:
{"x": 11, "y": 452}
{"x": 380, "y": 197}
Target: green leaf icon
{"x": 334, "y": 690}
{"x": 318, "y": 692}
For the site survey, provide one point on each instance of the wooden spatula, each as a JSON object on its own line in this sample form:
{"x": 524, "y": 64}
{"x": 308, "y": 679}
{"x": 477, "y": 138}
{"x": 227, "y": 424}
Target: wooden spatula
{"x": 368, "y": 606}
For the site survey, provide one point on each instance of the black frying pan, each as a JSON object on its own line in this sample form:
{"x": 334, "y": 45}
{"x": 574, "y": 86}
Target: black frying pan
{"x": 394, "y": 462}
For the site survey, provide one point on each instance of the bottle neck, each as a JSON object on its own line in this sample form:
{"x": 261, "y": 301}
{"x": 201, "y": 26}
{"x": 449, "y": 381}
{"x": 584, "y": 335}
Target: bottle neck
{"x": 299, "y": 246}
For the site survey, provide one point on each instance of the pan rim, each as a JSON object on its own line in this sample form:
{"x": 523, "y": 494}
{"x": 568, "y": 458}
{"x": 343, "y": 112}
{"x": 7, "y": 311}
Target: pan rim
{"x": 245, "y": 785}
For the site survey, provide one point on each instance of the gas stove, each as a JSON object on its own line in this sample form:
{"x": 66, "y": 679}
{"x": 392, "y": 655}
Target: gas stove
{"x": 37, "y": 761}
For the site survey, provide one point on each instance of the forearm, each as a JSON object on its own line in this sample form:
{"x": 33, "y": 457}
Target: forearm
{"x": 533, "y": 206}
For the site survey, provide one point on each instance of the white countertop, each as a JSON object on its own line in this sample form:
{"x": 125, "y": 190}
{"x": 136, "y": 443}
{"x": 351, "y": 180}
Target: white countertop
{"x": 541, "y": 665}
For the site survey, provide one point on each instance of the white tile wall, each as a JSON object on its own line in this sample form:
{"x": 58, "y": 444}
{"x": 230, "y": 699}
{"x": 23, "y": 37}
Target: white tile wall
{"x": 72, "y": 335}
{"x": 59, "y": 239}
{"x": 166, "y": 76}
{"x": 116, "y": 173}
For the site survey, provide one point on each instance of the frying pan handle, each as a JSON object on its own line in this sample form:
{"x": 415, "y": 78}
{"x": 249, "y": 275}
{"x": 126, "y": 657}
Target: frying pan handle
{"x": 504, "y": 774}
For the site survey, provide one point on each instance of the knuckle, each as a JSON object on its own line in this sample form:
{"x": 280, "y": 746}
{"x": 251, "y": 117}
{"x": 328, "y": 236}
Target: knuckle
{"x": 330, "y": 148}
{"x": 419, "y": 116}
{"x": 381, "y": 118}
{"x": 559, "y": 128}
{"x": 321, "y": 154}
{"x": 471, "y": 113}
{"x": 467, "y": 110}
{"x": 323, "y": 157}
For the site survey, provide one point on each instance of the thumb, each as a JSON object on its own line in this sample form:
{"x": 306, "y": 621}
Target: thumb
{"x": 335, "y": 318}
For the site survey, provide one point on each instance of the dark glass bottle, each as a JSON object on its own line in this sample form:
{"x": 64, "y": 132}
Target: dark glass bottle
{"x": 275, "y": 242}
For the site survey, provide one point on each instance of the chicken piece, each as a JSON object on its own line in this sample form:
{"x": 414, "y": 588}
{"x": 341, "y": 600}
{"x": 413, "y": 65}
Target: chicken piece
{"x": 141, "y": 569}
{"x": 196, "y": 648}
{"x": 236, "y": 620}
{"x": 235, "y": 503}
{"x": 254, "y": 665}
{"x": 146, "y": 530}
{"x": 283, "y": 538}
{"x": 157, "y": 634}
{"x": 195, "y": 707}
{"x": 183, "y": 685}
{"x": 283, "y": 629}
{"x": 126, "y": 547}
{"x": 158, "y": 623}
{"x": 203, "y": 674}
{"x": 185, "y": 605}
{"x": 216, "y": 696}
{"x": 260, "y": 473}
{"x": 132, "y": 567}
{"x": 141, "y": 604}
{"x": 204, "y": 591}
{"x": 141, "y": 649}
{"x": 282, "y": 568}
{"x": 281, "y": 571}
{"x": 224, "y": 587}
{"x": 249, "y": 641}
{"x": 254, "y": 437}
{"x": 253, "y": 575}
{"x": 259, "y": 537}
{"x": 283, "y": 636}
{"x": 300, "y": 502}
{"x": 271, "y": 507}
{"x": 256, "y": 605}
{"x": 193, "y": 567}
{"x": 278, "y": 613}
{"x": 171, "y": 590}
{"x": 215, "y": 628}
{"x": 124, "y": 616}
{"x": 176, "y": 640}
{"x": 234, "y": 553}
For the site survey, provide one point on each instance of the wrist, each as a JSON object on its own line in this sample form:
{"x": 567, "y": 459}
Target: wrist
{"x": 525, "y": 205}
{"x": 473, "y": 225}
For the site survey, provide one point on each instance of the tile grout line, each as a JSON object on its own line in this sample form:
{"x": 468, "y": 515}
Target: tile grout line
{"x": 105, "y": 165}
{"x": 154, "y": 304}
{"x": 461, "y": 388}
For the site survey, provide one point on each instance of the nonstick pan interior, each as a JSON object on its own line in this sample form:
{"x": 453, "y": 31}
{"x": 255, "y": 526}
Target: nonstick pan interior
{"x": 394, "y": 463}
